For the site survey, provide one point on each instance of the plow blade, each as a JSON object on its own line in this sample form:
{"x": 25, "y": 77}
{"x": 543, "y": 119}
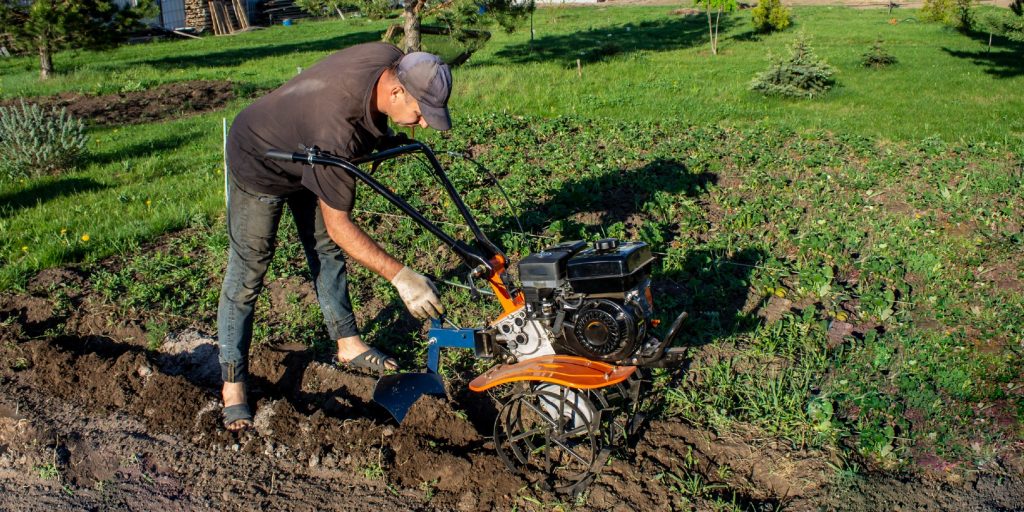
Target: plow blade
{"x": 397, "y": 393}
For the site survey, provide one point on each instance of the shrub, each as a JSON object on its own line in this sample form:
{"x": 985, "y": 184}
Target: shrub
{"x": 770, "y": 16}
{"x": 958, "y": 14}
{"x": 804, "y": 74}
{"x": 35, "y": 142}
{"x": 878, "y": 57}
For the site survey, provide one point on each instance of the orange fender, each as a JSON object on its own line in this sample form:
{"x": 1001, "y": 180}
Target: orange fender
{"x": 568, "y": 371}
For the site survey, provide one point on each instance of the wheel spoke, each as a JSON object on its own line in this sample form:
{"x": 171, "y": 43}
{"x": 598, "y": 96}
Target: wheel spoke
{"x": 576, "y": 431}
{"x": 572, "y": 452}
{"x": 541, "y": 413}
{"x": 513, "y": 439}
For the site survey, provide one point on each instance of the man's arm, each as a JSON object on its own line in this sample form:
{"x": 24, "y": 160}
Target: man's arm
{"x": 416, "y": 290}
{"x": 357, "y": 244}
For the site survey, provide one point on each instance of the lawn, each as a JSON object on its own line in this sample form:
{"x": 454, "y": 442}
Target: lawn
{"x": 635, "y": 60}
{"x": 852, "y": 264}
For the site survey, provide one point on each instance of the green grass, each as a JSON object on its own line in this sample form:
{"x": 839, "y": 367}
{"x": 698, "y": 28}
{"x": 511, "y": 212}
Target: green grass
{"x": 891, "y": 203}
{"x": 945, "y": 84}
{"x": 137, "y": 182}
{"x": 638, "y": 64}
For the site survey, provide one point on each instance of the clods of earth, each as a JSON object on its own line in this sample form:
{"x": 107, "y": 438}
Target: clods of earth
{"x": 91, "y": 418}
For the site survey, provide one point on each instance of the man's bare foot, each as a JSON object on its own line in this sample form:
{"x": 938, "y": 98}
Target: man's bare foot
{"x": 352, "y": 347}
{"x": 236, "y": 407}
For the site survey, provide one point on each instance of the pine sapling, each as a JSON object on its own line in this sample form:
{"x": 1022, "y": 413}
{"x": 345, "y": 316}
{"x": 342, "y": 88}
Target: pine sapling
{"x": 878, "y": 56}
{"x": 803, "y": 74}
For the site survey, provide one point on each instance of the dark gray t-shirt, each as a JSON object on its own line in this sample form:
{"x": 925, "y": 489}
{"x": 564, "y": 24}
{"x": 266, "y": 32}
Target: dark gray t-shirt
{"x": 328, "y": 106}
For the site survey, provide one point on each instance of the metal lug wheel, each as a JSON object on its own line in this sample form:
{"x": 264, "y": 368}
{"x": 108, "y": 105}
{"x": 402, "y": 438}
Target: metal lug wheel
{"x": 553, "y": 432}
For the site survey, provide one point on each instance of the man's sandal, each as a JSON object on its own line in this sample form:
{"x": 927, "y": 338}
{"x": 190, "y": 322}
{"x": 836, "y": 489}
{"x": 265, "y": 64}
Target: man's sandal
{"x": 373, "y": 360}
{"x": 238, "y": 418}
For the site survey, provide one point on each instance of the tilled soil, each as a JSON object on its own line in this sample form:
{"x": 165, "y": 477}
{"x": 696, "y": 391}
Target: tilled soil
{"x": 91, "y": 419}
{"x": 166, "y": 101}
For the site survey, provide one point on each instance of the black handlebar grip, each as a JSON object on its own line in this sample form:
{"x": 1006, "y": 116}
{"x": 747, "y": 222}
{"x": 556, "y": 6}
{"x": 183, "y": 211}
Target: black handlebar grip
{"x": 287, "y": 156}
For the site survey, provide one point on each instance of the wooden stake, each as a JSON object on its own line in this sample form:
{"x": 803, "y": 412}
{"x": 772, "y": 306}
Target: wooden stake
{"x": 224, "y": 120}
{"x": 243, "y": 17}
{"x": 226, "y": 17}
{"x": 220, "y": 28}
{"x": 579, "y": 69}
{"x": 185, "y": 34}
{"x": 213, "y": 18}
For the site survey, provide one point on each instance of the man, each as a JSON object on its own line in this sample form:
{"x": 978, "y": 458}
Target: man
{"x": 341, "y": 105}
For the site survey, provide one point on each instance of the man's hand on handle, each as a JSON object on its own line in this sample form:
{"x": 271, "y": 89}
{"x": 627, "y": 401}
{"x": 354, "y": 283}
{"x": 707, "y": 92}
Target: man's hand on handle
{"x": 418, "y": 293}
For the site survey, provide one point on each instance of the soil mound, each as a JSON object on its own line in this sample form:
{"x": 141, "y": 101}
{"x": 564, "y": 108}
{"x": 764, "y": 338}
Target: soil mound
{"x": 134, "y": 107}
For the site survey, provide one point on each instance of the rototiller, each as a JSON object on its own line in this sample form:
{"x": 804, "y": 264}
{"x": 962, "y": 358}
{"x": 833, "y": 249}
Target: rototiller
{"x": 569, "y": 343}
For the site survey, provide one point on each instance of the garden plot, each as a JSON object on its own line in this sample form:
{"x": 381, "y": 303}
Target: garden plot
{"x": 844, "y": 297}
{"x": 94, "y": 419}
{"x": 855, "y": 299}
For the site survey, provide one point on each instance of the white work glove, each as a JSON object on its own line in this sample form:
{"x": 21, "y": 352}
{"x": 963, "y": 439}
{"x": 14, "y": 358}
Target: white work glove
{"x": 418, "y": 293}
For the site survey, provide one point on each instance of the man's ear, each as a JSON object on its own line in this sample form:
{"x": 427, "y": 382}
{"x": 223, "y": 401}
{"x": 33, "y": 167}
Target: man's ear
{"x": 396, "y": 90}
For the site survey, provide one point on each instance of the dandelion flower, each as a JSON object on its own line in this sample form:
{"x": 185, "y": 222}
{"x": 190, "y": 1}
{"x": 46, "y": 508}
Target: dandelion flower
{"x": 63, "y": 231}
{"x": 24, "y": 248}
{"x": 148, "y": 202}
{"x": 85, "y": 237}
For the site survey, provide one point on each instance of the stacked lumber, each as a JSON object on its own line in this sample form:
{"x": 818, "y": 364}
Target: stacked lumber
{"x": 228, "y": 16}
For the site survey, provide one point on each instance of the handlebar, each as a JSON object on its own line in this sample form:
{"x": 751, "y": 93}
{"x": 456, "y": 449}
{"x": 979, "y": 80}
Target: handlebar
{"x": 277, "y": 154}
{"x": 480, "y": 263}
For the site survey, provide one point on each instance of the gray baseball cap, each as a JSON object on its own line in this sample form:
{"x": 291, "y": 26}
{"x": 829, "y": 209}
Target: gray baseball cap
{"x": 428, "y": 79}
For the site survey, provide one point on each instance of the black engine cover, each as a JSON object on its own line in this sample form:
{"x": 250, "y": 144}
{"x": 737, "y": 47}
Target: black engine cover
{"x": 609, "y": 267}
{"x": 604, "y": 330}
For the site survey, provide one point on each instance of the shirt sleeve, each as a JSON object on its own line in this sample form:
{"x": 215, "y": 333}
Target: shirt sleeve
{"x": 334, "y": 186}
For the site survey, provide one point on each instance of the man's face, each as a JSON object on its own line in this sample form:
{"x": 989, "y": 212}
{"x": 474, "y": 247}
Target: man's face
{"x": 405, "y": 110}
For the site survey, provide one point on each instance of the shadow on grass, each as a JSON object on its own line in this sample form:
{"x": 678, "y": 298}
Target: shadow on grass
{"x": 1004, "y": 60}
{"x": 146, "y": 148}
{"x": 601, "y": 44}
{"x": 237, "y": 56}
{"x": 610, "y": 197}
{"x": 39, "y": 193}
{"x": 713, "y": 287}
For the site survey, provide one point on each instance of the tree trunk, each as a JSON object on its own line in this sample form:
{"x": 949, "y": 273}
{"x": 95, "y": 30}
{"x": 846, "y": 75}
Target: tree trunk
{"x": 717, "y": 19}
{"x": 412, "y": 26}
{"x": 45, "y": 62}
{"x": 711, "y": 30}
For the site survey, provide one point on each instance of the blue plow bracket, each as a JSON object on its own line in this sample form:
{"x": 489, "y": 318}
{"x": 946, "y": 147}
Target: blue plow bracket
{"x": 397, "y": 393}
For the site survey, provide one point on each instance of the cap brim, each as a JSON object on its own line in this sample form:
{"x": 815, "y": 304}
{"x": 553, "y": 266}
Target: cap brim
{"x": 437, "y": 118}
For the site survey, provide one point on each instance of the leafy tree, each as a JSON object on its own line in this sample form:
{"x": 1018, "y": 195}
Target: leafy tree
{"x": 958, "y": 14}
{"x": 718, "y": 7}
{"x": 770, "y": 16}
{"x": 46, "y": 26}
{"x": 456, "y": 16}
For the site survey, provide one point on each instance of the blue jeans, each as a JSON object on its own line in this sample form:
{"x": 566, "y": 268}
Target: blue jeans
{"x": 253, "y": 220}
